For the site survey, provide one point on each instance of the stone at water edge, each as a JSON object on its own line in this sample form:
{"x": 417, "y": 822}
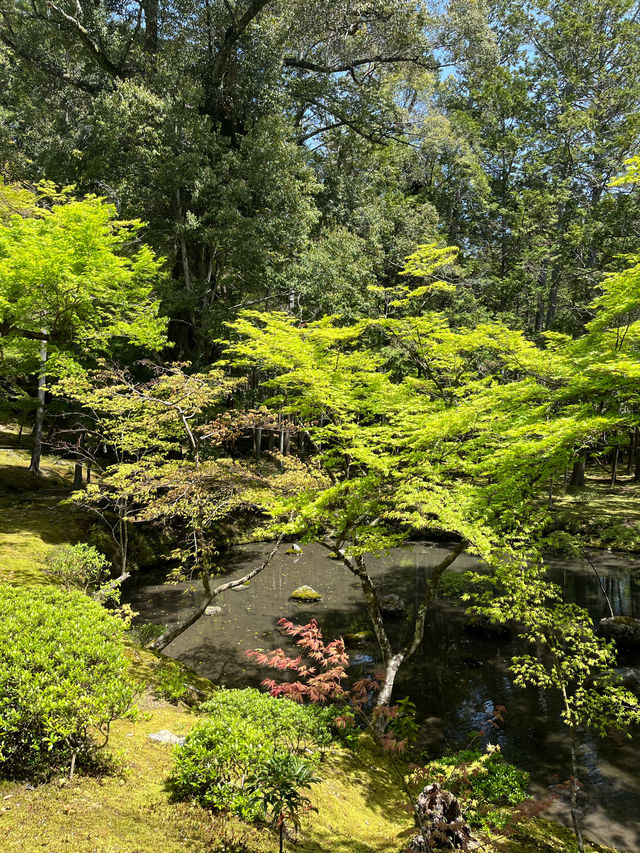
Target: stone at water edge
{"x": 305, "y": 593}
{"x": 165, "y": 736}
{"x": 392, "y": 606}
{"x": 213, "y": 610}
{"x": 443, "y": 826}
{"x": 294, "y": 549}
{"x": 625, "y": 630}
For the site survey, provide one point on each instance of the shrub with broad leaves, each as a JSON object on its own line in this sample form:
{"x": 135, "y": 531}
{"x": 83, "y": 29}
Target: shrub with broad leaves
{"x": 244, "y": 734}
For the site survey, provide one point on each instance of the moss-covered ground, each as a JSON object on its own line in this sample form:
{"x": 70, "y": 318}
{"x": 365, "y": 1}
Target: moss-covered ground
{"x": 129, "y": 810}
{"x": 601, "y": 515}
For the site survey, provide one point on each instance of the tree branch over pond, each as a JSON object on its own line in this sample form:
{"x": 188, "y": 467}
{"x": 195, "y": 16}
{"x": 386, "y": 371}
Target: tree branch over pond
{"x": 210, "y": 594}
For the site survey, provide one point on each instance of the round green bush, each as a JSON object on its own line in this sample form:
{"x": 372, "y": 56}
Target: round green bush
{"x": 245, "y": 732}
{"x": 63, "y": 678}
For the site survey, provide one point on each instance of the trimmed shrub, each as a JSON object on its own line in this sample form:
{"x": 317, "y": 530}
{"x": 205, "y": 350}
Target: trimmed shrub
{"x": 63, "y": 679}
{"x": 246, "y": 730}
{"x": 78, "y": 566}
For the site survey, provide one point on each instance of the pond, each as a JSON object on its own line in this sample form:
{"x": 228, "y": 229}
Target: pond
{"x": 455, "y": 678}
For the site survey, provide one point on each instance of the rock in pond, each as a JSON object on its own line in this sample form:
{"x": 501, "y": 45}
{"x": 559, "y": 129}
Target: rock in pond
{"x": 392, "y": 606}
{"x": 483, "y": 626}
{"x": 358, "y": 638}
{"x": 305, "y": 593}
{"x": 623, "y": 629}
{"x": 213, "y": 610}
{"x": 294, "y": 549}
{"x": 630, "y": 678}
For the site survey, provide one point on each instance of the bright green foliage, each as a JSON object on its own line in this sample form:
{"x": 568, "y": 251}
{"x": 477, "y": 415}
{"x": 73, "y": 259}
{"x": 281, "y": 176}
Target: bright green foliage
{"x": 66, "y": 274}
{"x": 293, "y": 725}
{"x": 78, "y": 566}
{"x": 63, "y": 678}
{"x": 484, "y": 782}
{"x": 567, "y": 656}
{"x": 245, "y": 733}
{"x": 279, "y": 785}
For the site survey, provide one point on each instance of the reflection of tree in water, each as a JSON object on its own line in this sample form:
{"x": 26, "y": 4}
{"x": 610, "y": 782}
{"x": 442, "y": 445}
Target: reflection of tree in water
{"x": 454, "y": 679}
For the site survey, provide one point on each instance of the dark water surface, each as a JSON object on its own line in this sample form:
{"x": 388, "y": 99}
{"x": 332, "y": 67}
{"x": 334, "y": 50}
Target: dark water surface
{"x": 455, "y": 678}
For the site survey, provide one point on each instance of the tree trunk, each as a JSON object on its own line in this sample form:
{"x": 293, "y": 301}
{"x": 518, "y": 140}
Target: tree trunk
{"x": 36, "y": 453}
{"x": 392, "y": 662}
{"x": 574, "y": 792}
{"x": 77, "y": 475}
{"x": 632, "y": 450}
{"x": 88, "y": 473}
{"x": 614, "y": 465}
{"x": 577, "y": 474}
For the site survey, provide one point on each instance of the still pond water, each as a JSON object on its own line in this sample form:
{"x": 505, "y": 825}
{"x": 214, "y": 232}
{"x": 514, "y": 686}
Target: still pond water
{"x": 455, "y": 678}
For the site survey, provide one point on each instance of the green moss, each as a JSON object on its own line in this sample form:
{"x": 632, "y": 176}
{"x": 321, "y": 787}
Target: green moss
{"x": 305, "y": 593}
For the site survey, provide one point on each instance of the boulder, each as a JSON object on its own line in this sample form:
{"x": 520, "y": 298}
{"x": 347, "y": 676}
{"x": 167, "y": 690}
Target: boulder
{"x": 213, "y": 610}
{"x": 482, "y": 626}
{"x": 305, "y": 593}
{"x": 623, "y": 629}
{"x": 443, "y": 827}
{"x": 630, "y": 678}
{"x": 165, "y": 736}
{"x": 392, "y": 606}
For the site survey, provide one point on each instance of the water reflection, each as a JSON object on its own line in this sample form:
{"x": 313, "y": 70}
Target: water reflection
{"x": 455, "y": 678}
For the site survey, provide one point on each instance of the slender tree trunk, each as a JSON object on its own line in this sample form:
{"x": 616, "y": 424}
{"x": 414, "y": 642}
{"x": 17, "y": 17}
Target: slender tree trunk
{"x": 550, "y": 498}
{"x": 123, "y": 535}
{"x": 36, "y": 453}
{"x": 20, "y": 431}
{"x": 577, "y": 474}
{"x": 88, "y": 473}
{"x": 77, "y": 475}
{"x": 574, "y": 792}
{"x": 77, "y": 468}
{"x": 632, "y": 450}
{"x": 393, "y": 661}
{"x": 175, "y": 631}
{"x": 614, "y": 464}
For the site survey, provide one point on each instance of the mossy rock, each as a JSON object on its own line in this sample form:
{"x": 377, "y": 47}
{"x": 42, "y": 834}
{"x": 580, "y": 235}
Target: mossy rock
{"x": 294, "y": 549}
{"x": 625, "y": 630}
{"x": 305, "y": 593}
{"x": 359, "y": 638}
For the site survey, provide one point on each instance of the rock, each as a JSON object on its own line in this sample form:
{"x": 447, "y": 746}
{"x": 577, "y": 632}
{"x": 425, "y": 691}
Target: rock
{"x": 358, "y": 638}
{"x": 484, "y": 627}
{"x": 213, "y": 610}
{"x": 305, "y": 593}
{"x": 623, "y": 629}
{"x": 392, "y": 606}
{"x": 443, "y": 827}
{"x": 294, "y": 549}
{"x": 165, "y": 736}
{"x": 630, "y": 678}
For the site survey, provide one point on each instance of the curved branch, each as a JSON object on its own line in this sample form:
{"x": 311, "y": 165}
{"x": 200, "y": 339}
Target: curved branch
{"x": 176, "y": 630}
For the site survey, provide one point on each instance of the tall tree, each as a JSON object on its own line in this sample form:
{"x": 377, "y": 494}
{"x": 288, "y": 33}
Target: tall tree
{"x": 77, "y": 282}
